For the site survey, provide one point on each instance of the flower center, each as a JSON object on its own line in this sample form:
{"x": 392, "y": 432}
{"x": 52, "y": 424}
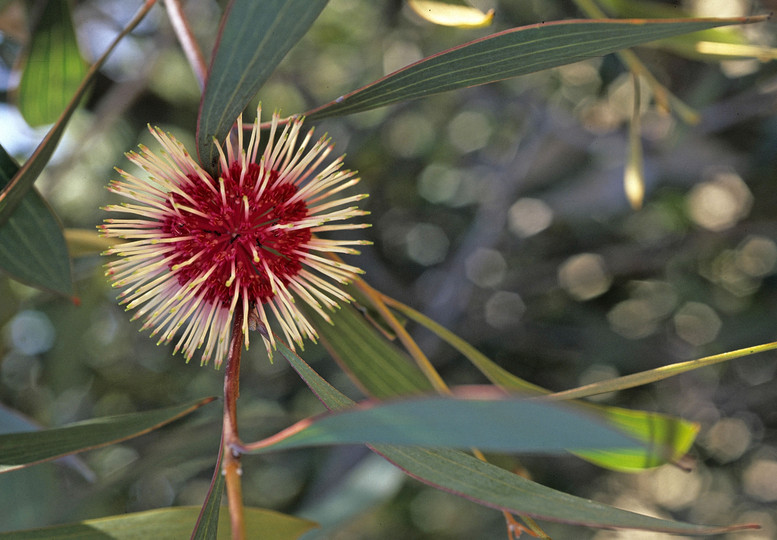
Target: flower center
{"x": 233, "y": 239}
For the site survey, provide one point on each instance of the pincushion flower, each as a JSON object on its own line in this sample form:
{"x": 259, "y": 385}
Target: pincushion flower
{"x": 197, "y": 248}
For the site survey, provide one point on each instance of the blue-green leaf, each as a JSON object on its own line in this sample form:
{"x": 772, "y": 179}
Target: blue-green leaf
{"x": 254, "y": 38}
{"x": 500, "y": 425}
{"x": 484, "y": 483}
{"x": 19, "y": 450}
{"x": 32, "y": 246}
{"x": 511, "y": 53}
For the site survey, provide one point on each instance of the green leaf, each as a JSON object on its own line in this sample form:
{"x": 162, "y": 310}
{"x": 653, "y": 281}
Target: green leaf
{"x": 511, "y": 53}
{"x": 254, "y": 38}
{"x": 83, "y": 242}
{"x": 32, "y": 247}
{"x": 19, "y": 450}
{"x": 699, "y": 45}
{"x": 168, "y": 524}
{"x": 53, "y": 68}
{"x": 12, "y": 421}
{"x": 495, "y": 424}
{"x": 13, "y": 193}
{"x": 208, "y": 521}
{"x": 666, "y": 438}
{"x": 658, "y": 374}
{"x": 460, "y": 473}
{"x": 464, "y": 475}
{"x": 379, "y": 367}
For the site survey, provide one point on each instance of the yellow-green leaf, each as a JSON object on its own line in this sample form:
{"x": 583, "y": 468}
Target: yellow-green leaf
{"x": 446, "y": 14}
{"x": 13, "y": 192}
{"x": 82, "y": 242}
{"x": 658, "y": 374}
{"x": 168, "y": 524}
{"x": 54, "y": 67}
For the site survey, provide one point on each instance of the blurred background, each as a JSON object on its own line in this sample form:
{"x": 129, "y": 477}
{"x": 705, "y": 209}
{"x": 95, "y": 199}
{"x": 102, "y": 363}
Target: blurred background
{"x": 498, "y": 211}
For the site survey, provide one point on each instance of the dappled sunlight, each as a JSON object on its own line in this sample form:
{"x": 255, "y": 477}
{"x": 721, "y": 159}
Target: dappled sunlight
{"x": 584, "y": 276}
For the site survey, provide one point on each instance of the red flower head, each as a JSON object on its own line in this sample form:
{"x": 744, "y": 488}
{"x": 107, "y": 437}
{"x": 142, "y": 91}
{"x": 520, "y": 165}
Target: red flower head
{"x": 200, "y": 248}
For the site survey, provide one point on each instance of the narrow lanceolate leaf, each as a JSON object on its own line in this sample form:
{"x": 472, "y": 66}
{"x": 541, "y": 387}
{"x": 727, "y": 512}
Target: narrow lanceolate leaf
{"x": 168, "y": 523}
{"x": 493, "y": 424}
{"x": 511, "y": 53}
{"x": 666, "y": 438}
{"x": 53, "y": 68}
{"x": 379, "y": 367}
{"x": 18, "y": 450}
{"x": 32, "y": 248}
{"x": 12, "y": 194}
{"x": 384, "y": 371}
{"x": 253, "y": 39}
{"x": 716, "y": 43}
{"x": 208, "y": 520}
{"x": 658, "y": 374}
{"x": 463, "y": 475}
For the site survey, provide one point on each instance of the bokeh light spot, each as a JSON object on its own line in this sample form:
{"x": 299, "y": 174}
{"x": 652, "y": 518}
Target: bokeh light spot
{"x": 728, "y": 439}
{"x": 528, "y": 217}
{"x": 469, "y": 131}
{"x": 697, "y": 323}
{"x": 584, "y": 276}
{"x": 31, "y": 332}
{"x": 409, "y": 135}
{"x": 439, "y": 184}
{"x": 485, "y": 267}
{"x": 674, "y": 488}
{"x": 720, "y": 203}
{"x": 633, "y": 319}
{"x": 757, "y": 256}
{"x": 427, "y": 244}
{"x": 760, "y": 480}
{"x": 504, "y": 309}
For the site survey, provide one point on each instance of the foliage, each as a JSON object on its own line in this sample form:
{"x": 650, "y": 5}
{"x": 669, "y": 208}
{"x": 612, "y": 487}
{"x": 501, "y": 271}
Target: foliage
{"x": 501, "y": 210}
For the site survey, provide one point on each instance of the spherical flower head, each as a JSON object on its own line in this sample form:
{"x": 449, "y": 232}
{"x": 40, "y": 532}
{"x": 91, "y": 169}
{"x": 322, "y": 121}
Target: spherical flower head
{"x": 197, "y": 248}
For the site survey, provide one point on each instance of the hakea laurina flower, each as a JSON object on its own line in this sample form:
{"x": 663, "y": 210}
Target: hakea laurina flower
{"x": 201, "y": 247}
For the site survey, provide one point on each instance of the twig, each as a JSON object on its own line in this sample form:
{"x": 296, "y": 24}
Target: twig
{"x": 189, "y": 45}
{"x": 231, "y": 460}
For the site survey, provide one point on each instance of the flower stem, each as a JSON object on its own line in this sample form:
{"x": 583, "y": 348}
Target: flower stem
{"x": 231, "y": 460}
{"x": 185, "y": 36}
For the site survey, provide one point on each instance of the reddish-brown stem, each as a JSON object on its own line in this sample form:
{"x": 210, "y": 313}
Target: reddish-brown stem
{"x": 230, "y": 465}
{"x": 189, "y": 45}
